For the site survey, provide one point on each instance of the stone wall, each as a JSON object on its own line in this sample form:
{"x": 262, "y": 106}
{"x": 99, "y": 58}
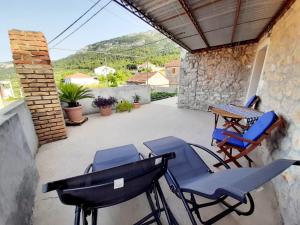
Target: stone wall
{"x": 18, "y": 173}
{"x": 279, "y": 89}
{"x": 20, "y": 108}
{"x": 32, "y": 63}
{"x": 212, "y": 77}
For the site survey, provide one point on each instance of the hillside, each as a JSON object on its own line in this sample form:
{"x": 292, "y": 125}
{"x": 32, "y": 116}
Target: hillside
{"x": 122, "y": 51}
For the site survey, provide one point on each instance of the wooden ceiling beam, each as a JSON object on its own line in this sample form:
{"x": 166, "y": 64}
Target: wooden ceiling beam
{"x": 236, "y": 19}
{"x": 188, "y": 11}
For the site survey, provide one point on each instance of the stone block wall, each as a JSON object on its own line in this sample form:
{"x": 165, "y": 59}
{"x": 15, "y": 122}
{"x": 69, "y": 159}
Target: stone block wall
{"x": 33, "y": 64}
{"x": 217, "y": 76}
{"x": 279, "y": 89}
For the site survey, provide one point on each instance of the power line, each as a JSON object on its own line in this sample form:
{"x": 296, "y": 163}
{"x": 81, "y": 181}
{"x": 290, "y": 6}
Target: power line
{"x": 103, "y": 7}
{"x": 61, "y": 33}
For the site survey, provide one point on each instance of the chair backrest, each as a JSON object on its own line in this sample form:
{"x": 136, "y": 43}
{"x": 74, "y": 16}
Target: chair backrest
{"x": 260, "y": 126}
{"x": 187, "y": 163}
{"x": 251, "y": 101}
{"x": 111, "y": 186}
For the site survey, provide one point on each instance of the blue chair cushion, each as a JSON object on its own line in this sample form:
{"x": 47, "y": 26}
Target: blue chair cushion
{"x": 260, "y": 126}
{"x": 112, "y": 157}
{"x": 250, "y": 101}
{"x": 219, "y": 136}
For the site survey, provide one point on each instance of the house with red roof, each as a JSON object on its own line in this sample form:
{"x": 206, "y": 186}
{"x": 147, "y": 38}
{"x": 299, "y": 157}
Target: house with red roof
{"x": 149, "y": 78}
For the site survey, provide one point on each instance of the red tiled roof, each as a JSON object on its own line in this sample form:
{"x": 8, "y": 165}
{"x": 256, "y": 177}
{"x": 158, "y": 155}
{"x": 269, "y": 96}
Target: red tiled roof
{"x": 78, "y": 75}
{"x": 173, "y": 63}
{"x": 141, "y": 77}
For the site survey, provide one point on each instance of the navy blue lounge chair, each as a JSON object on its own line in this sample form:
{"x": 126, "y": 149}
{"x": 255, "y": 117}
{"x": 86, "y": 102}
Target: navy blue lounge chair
{"x": 118, "y": 174}
{"x": 228, "y": 141}
{"x": 189, "y": 175}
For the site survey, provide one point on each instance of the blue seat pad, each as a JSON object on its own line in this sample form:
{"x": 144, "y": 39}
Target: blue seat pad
{"x": 117, "y": 156}
{"x": 219, "y": 136}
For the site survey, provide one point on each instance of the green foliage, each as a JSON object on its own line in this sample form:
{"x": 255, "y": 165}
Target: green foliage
{"x": 136, "y": 98}
{"x": 72, "y": 93}
{"x": 161, "y": 95}
{"x": 124, "y": 106}
{"x": 123, "y": 53}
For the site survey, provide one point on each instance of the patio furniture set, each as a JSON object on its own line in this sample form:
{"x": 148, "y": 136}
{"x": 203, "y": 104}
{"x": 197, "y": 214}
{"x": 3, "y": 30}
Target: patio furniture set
{"x": 122, "y": 173}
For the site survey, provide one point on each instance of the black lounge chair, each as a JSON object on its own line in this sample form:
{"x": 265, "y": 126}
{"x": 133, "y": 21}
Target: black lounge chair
{"x": 118, "y": 174}
{"x": 188, "y": 174}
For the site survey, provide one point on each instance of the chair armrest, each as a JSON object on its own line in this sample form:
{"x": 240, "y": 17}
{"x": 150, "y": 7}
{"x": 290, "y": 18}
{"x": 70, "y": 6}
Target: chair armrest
{"x": 212, "y": 154}
{"x": 240, "y": 138}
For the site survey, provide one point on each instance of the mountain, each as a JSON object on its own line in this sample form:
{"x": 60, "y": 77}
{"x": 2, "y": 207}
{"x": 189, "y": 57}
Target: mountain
{"x": 123, "y": 51}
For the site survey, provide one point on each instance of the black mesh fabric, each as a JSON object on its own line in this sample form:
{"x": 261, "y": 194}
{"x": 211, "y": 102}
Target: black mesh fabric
{"x": 96, "y": 190}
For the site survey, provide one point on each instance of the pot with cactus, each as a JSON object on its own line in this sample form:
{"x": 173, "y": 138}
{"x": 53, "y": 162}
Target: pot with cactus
{"x": 71, "y": 93}
{"x": 104, "y": 105}
{"x": 136, "y": 101}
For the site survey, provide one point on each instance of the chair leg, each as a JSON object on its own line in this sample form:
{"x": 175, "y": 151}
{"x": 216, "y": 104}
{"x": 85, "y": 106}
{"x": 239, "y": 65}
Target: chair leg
{"x": 154, "y": 211}
{"x": 77, "y": 215}
{"x": 189, "y": 211}
{"x": 94, "y": 216}
{"x": 230, "y": 158}
{"x": 170, "y": 217}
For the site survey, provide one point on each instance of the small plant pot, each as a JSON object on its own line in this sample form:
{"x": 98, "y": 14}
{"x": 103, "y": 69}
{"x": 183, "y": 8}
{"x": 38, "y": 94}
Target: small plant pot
{"x": 74, "y": 113}
{"x": 105, "y": 111}
{"x": 136, "y": 105}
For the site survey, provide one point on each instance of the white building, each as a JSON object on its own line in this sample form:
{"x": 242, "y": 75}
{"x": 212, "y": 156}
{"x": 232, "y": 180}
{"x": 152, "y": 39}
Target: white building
{"x": 104, "y": 70}
{"x": 80, "y": 79}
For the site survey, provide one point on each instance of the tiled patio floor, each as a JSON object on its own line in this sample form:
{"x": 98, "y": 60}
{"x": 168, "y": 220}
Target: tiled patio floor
{"x": 70, "y": 157}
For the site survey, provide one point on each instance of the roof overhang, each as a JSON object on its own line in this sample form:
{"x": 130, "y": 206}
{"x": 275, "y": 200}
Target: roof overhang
{"x": 209, "y": 24}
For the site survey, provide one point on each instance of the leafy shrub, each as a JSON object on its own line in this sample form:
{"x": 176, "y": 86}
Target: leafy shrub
{"x": 161, "y": 95}
{"x": 72, "y": 93}
{"x": 124, "y": 106}
{"x": 104, "y": 102}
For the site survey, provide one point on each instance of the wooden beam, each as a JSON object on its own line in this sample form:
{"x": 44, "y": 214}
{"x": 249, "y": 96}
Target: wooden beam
{"x": 188, "y": 11}
{"x": 284, "y": 7}
{"x": 236, "y": 18}
{"x": 246, "y": 42}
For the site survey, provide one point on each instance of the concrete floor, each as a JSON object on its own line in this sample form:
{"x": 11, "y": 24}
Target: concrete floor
{"x": 70, "y": 157}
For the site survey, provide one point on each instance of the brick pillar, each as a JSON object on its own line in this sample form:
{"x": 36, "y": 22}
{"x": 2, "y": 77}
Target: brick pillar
{"x": 32, "y": 63}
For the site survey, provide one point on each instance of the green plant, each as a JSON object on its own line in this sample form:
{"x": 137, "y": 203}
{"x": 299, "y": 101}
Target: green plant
{"x": 72, "y": 93}
{"x": 136, "y": 98}
{"x": 161, "y": 95}
{"x": 124, "y": 106}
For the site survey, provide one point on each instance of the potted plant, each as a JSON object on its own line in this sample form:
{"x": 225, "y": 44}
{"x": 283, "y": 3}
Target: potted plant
{"x": 71, "y": 94}
{"x": 124, "y": 106}
{"x": 136, "y": 101}
{"x": 104, "y": 104}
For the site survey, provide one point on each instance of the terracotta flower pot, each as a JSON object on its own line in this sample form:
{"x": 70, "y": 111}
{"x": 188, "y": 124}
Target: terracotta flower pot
{"x": 106, "y": 111}
{"x": 136, "y": 105}
{"x": 74, "y": 113}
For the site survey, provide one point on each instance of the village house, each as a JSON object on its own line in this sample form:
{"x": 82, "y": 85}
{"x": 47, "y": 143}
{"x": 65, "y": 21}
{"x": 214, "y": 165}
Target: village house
{"x": 104, "y": 70}
{"x": 172, "y": 70}
{"x": 80, "y": 79}
{"x": 149, "y": 78}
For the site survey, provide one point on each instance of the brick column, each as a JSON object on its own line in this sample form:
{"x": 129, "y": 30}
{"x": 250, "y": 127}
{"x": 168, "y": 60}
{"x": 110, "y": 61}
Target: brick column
{"x": 32, "y": 63}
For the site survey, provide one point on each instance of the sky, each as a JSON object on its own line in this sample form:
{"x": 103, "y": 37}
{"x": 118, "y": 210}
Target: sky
{"x": 53, "y": 16}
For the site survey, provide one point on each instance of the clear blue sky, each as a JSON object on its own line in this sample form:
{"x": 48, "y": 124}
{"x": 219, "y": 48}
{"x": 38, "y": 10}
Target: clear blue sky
{"x": 52, "y": 16}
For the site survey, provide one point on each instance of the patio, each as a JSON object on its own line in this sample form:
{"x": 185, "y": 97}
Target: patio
{"x": 70, "y": 157}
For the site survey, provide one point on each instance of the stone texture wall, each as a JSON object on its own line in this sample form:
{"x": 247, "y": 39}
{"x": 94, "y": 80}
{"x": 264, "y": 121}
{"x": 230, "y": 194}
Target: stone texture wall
{"x": 32, "y": 63}
{"x": 279, "y": 89}
{"x": 212, "y": 77}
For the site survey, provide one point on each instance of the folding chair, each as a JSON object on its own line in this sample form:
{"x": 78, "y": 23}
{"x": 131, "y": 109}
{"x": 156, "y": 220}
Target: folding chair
{"x": 252, "y": 102}
{"x": 228, "y": 141}
{"x": 188, "y": 176}
{"x": 119, "y": 174}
